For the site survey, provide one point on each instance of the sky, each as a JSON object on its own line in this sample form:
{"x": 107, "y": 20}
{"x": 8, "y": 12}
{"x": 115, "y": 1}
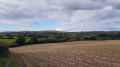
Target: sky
{"x": 60, "y": 15}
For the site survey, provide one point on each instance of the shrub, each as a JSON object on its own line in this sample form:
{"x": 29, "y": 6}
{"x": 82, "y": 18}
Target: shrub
{"x": 47, "y": 40}
{"x": 10, "y": 37}
{"x": 20, "y": 41}
{"x": 3, "y": 48}
{"x": 33, "y": 40}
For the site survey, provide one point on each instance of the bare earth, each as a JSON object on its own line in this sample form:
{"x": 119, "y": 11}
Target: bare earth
{"x": 70, "y": 54}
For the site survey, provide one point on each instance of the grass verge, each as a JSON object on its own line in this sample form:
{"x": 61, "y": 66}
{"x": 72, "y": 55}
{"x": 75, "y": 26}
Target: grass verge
{"x": 14, "y": 61}
{"x": 4, "y": 58}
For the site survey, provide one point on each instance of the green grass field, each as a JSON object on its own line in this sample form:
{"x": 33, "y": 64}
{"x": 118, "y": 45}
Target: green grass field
{"x": 8, "y": 41}
{"x": 27, "y": 39}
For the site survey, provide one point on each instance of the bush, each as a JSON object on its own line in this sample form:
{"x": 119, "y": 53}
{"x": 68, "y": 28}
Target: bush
{"x": 51, "y": 40}
{"x": 20, "y": 41}
{"x": 10, "y": 37}
{"x": 33, "y": 40}
{"x": 47, "y": 40}
{"x": 5, "y": 54}
{"x": 3, "y": 48}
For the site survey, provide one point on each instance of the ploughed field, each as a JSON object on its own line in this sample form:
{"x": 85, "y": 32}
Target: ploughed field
{"x": 70, "y": 54}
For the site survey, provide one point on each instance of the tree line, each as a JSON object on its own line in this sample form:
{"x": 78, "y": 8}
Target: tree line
{"x": 38, "y": 37}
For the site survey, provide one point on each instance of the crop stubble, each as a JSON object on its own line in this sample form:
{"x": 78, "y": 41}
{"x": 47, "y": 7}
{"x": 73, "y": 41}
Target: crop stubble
{"x": 70, "y": 54}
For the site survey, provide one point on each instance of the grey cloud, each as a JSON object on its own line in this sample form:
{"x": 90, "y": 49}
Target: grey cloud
{"x": 30, "y": 9}
{"x": 102, "y": 19}
{"x": 37, "y": 5}
{"x": 76, "y": 4}
{"x": 68, "y": 12}
{"x": 109, "y": 14}
{"x": 114, "y": 3}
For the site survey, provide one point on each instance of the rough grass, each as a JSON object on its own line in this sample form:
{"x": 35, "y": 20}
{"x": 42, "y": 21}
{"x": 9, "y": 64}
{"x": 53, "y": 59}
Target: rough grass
{"x": 4, "y": 58}
{"x": 3, "y": 61}
{"x": 4, "y": 54}
{"x": 14, "y": 61}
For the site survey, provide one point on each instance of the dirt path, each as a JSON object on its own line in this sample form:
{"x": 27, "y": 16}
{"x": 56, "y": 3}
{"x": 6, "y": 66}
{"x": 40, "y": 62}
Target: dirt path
{"x": 70, "y": 54}
{"x": 8, "y": 63}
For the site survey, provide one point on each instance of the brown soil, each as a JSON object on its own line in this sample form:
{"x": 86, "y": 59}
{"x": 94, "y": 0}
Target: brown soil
{"x": 70, "y": 54}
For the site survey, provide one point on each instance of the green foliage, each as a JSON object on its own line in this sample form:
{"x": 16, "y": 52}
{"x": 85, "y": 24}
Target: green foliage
{"x": 51, "y": 40}
{"x": 91, "y": 38}
{"x": 35, "y": 37}
{"x": 33, "y": 40}
{"x": 4, "y": 54}
{"x": 10, "y": 37}
{"x": 20, "y": 41}
{"x": 3, "y": 48}
{"x": 78, "y": 36}
{"x": 1, "y": 37}
{"x": 46, "y": 40}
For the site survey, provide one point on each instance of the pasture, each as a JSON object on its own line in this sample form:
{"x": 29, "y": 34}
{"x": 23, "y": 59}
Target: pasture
{"x": 8, "y": 41}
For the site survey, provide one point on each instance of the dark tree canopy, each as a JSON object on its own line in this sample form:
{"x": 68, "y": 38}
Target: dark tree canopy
{"x": 3, "y": 47}
{"x": 33, "y": 40}
{"x": 20, "y": 41}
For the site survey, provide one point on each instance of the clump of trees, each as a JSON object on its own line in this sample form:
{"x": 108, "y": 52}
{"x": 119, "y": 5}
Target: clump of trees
{"x": 33, "y": 40}
{"x": 9, "y": 36}
{"x": 20, "y": 40}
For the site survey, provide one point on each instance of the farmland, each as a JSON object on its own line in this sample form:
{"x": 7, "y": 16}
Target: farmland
{"x": 13, "y": 39}
{"x": 70, "y": 54}
{"x": 8, "y": 41}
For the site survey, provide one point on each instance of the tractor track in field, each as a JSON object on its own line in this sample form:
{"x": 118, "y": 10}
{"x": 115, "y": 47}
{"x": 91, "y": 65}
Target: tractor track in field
{"x": 8, "y": 62}
{"x": 70, "y": 54}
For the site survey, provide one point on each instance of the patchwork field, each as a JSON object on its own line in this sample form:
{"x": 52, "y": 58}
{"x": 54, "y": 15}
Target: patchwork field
{"x": 70, "y": 54}
{"x": 8, "y": 41}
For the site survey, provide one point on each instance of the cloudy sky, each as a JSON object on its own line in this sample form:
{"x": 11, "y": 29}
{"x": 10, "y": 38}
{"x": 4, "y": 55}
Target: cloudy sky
{"x": 60, "y": 15}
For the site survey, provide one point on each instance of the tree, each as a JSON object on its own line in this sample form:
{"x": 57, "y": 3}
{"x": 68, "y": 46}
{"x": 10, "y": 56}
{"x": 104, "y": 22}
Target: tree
{"x": 79, "y": 37}
{"x": 7, "y": 34}
{"x": 10, "y": 37}
{"x": 1, "y": 37}
{"x": 20, "y": 41}
{"x": 33, "y": 40}
{"x": 3, "y": 47}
